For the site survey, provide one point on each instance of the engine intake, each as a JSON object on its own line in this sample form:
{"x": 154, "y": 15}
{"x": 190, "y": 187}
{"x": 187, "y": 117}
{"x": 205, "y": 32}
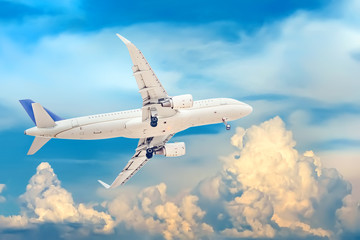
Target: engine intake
{"x": 178, "y": 102}
{"x": 172, "y": 149}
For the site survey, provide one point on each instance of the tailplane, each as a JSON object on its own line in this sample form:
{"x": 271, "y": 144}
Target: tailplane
{"x": 43, "y": 118}
{"x": 37, "y": 144}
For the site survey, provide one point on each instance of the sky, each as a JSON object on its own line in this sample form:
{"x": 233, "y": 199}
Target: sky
{"x": 287, "y": 171}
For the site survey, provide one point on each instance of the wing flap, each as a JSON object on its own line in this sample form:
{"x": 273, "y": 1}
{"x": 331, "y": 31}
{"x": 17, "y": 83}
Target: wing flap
{"x": 138, "y": 160}
{"x": 131, "y": 168}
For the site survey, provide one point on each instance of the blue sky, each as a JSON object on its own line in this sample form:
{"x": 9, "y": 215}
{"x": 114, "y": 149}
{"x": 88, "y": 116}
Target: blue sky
{"x": 298, "y": 60}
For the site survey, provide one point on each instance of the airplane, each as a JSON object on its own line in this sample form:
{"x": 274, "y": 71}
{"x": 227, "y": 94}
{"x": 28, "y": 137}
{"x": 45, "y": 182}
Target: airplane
{"x": 155, "y": 123}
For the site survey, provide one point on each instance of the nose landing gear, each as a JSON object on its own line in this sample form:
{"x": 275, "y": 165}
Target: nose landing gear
{"x": 227, "y": 126}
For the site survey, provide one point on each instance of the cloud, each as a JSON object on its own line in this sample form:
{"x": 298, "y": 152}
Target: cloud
{"x": 2, "y": 199}
{"x": 152, "y": 212}
{"x": 45, "y": 201}
{"x": 266, "y": 189}
{"x": 268, "y": 186}
{"x": 349, "y": 215}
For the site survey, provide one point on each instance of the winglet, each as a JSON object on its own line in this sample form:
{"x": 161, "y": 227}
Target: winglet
{"x": 127, "y": 42}
{"x": 105, "y": 185}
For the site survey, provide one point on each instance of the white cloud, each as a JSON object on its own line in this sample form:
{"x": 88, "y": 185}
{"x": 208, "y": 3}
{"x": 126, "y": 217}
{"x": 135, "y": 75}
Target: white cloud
{"x": 346, "y": 162}
{"x": 267, "y": 189}
{"x": 349, "y": 214}
{"x": 2, "y": 198}
{"x": 152, "y": 212}
{"x": 45, "y": 201}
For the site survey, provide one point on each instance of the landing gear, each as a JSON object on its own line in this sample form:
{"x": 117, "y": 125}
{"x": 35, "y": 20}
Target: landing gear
{"x": 227, "y": 126}
{"x": 149, "y": 153}
{"x": 153, "y": 119}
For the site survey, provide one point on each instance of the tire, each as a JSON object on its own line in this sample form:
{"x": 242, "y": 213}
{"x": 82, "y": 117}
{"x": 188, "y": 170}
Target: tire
{"x": 153, "y": 124}
{"x": 154, "y": 119}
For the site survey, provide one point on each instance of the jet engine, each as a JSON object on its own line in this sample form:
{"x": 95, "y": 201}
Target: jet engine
{"x": 178, "y": 102}
{"x": 172, "y": 149}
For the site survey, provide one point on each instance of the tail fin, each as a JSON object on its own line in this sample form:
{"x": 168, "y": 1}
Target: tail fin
{"x": 37, "y": 144}
{"x": 42, "y": 118}
{"x": 27, "y": 105}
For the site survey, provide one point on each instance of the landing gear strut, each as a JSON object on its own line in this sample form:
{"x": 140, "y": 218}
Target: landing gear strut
{"x": 227, "y": 126}
{"x": 149, "y": 153}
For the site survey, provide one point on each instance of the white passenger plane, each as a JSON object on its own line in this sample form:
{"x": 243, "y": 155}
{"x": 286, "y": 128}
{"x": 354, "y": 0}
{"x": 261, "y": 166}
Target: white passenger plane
{"x": 160, "y": 117}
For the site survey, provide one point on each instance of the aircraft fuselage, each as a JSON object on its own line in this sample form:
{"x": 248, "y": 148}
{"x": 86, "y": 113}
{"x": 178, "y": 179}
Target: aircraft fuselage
{"x": 129, "y": 123}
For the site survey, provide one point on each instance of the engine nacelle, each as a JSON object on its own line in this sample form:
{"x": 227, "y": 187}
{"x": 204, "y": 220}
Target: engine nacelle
{"x": 178, "y": 102}
{"x": 172, "y": 149}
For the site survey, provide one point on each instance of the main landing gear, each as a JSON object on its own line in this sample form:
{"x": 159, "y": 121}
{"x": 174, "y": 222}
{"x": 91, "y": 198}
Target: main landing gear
{"x": 154, "y": 121}
{"x": 149, "y": 153}
{"x": 153, "y": 117}
{"x": 227, "y": 126}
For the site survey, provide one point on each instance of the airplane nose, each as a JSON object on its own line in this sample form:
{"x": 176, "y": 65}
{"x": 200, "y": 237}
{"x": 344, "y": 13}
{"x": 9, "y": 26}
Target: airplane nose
{"x": 25, "y": 132}
{"x": 248, "y": 109}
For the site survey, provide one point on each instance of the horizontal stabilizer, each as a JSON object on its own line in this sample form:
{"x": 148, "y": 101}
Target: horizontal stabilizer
{"x": 37, "y": 144}
{"x": 105, "y": 185}
{"x": 42, "y": 118}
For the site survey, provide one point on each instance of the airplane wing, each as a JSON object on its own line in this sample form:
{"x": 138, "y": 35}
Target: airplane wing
{"x": 149, "y": 85}
{"x": 138, "y": 160}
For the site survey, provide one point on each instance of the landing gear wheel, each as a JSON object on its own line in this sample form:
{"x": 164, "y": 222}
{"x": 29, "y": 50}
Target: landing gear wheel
{"x": 149, "y": 153}
{"x": 154, "y": 121}
{"x": 227, "y": 126}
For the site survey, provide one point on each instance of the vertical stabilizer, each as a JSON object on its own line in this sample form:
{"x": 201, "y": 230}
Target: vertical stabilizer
{"x": 27, "y": 105}
{"x": 42, "y": 118}
{"x": 37, "y": 144}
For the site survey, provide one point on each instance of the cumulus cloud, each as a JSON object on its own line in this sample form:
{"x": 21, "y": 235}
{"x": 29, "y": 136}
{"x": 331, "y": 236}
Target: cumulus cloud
{"x": 349, "y": 215}
{"x": 45, "y": 201}
{"x": 269, "y": 185}
{"x": 266, "y": 189}
{"x": 151, "y": 211}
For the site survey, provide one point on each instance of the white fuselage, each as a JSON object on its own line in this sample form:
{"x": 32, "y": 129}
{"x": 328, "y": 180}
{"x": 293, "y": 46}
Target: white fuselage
{"x": 129, "y": 123}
